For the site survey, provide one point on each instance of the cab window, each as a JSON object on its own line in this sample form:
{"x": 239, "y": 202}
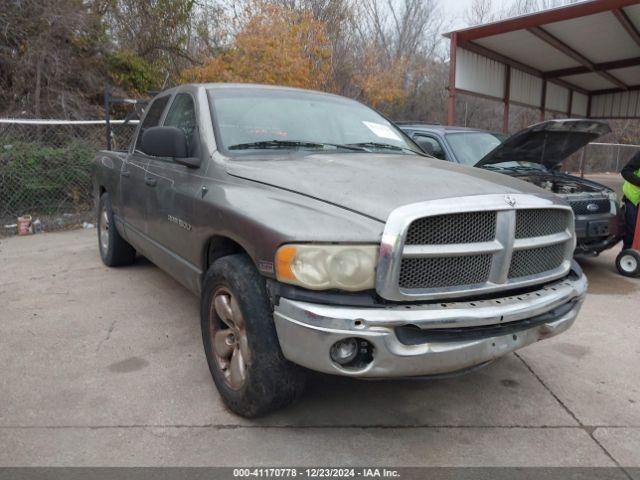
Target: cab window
{"x": 182, "y": 115}
{"x": 430, "y": 146}
{"x": 152, "y": 118}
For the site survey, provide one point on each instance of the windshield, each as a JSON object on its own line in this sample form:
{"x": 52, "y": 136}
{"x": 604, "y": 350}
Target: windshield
{"x": 250, "y": 119}
{"x": 470, "y": 147}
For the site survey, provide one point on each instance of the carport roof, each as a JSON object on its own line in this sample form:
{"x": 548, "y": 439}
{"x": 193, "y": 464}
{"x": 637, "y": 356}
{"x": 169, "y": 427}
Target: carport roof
{"x": 578, "y": 60}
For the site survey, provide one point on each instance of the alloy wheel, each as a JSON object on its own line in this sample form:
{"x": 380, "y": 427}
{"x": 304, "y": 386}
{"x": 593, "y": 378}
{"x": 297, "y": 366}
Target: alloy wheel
{"x": 104, "y": 229}
{"x": 227, "y": 330}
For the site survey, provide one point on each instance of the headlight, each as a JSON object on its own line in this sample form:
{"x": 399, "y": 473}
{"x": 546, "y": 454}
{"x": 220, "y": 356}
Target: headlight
{"x": 322, "y": 267}
{"x": 613, "y": 196}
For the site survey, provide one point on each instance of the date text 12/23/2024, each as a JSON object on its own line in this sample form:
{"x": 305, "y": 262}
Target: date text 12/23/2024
{"x": 315, "y": 473}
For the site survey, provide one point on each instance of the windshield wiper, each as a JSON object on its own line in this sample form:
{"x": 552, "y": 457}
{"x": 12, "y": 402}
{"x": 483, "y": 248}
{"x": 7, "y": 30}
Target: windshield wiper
{"x": 266, "y": 144}
{"x": 381, "y": 146}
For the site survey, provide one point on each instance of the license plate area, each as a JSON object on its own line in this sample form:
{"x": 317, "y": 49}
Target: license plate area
{"x": 598, "y": 228}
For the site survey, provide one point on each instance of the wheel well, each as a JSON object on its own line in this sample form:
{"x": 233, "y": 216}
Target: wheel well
{"x": 101, "y": 190}
{"x": 219, "y": 247}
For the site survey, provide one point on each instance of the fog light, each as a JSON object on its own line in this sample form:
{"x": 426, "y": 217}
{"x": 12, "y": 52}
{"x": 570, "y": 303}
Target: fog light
{"x": 344, "y": 351}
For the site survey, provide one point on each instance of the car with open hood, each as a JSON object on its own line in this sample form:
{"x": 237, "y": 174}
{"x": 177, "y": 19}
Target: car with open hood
{"x": 318, "y": 236}
{"x": 535, "y": 155}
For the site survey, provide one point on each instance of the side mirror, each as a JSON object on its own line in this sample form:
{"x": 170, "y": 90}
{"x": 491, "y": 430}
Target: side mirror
{"x": 426, "y": 147}
{"x": 164, "y": 142}
{"x": 168, "y": 142}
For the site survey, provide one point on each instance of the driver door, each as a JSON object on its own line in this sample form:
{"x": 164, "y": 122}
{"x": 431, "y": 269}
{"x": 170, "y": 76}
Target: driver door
{"x": 172, "y": 193}
{"x": 133, "y": 175}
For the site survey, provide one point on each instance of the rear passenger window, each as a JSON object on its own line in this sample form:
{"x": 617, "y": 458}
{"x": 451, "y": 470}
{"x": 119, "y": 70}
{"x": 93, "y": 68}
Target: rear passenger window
{"x": 182, "y": 115}
{"x": 152, "y": 118}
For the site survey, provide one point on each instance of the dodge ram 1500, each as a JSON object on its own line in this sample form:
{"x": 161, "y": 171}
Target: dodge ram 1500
{"x": 317, "y": 237}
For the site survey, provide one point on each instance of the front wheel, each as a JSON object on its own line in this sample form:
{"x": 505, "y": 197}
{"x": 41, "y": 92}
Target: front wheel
{"x": 241, "y": 343}
{"x": 628, "y": 263}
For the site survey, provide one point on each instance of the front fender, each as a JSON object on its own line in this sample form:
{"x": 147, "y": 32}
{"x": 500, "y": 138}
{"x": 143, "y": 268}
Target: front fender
{"x": 261, "y": 218}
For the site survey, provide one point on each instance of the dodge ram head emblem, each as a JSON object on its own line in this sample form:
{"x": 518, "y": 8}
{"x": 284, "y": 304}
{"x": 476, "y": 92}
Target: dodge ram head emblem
{"x": 509, "y": 200}
{"x": 593, "y": 207}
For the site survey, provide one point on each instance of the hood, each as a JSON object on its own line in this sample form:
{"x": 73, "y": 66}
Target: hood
{"x": 374, "y": 184}
{"x": 548, "y": 143}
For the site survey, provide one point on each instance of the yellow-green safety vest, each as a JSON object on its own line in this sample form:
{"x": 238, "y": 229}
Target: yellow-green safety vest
{"x": 631, "y": 191}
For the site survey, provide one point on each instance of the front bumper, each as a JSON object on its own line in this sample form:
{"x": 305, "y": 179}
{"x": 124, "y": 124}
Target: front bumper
{"x": 427, "y": 339}
{"x": 591, "y": 236}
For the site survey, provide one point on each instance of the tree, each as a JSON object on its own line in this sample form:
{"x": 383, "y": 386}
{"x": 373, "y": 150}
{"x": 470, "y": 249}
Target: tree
{"x": 338, "y": 18}
{"x": 50, "y": 54}
{"x": 158, "y": 32}
{"x": 380, "y": 83}
{"x": 277, "y": 45}
{"x": 480, "y": 11}
{"x": 398, "y": 42}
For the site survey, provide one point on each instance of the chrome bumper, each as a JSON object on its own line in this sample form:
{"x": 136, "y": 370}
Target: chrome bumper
{"x": 307, "y": 331}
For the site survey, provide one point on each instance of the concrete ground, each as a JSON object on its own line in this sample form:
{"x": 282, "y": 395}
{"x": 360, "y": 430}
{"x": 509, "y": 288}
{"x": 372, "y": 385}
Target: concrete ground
{"x": 104, "y": 367}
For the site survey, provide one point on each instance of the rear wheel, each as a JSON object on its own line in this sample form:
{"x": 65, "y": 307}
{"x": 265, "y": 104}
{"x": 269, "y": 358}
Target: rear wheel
{"x": 628, "y": 263}
{"x": 241, "y": 343}
{"x": 114, "y": 250}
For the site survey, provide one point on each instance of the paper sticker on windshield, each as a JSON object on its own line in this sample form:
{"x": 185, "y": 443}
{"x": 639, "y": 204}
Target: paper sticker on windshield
{"x": 382, "y": 131}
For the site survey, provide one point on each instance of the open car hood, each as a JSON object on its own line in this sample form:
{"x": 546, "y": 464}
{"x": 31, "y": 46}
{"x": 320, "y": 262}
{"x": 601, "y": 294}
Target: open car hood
{"x": 548, "y": 143}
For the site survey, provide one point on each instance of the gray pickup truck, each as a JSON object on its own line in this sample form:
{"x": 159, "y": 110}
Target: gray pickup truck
{"x": 317, "y": 237}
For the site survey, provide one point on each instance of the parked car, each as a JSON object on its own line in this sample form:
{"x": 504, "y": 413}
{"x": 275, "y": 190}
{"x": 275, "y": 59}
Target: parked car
{"x": 318, "y": 237}
{"x": 535, "y": 155}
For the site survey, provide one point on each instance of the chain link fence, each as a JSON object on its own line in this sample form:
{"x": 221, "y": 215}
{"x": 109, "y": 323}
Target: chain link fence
{"x": 45, "y": 170}
{"x": 601, "y": 158}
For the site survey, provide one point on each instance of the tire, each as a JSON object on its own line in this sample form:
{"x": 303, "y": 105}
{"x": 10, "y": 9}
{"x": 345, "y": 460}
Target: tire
{"x": 114, "y": 250}
{"x": 628, "y": 263}
{"x": 241, "y": 343}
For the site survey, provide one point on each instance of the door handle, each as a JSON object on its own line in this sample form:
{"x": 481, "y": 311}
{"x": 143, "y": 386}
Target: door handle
{"x": 125, "y": 173}
{"x": 152, "y": 182}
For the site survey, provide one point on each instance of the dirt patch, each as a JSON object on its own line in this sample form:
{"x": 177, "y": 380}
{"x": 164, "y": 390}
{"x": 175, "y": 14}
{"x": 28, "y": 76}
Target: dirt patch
{"x": 507, "y": 382}
{"x": 572, "y": 350}
{"x": 129, "y": 365}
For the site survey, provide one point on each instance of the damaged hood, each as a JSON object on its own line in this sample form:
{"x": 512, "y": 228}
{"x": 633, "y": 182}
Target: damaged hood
{"x": 373, "y": 184}
{"x": 548, "y": 143}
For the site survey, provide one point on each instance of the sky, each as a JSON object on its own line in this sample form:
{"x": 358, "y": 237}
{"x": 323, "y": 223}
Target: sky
{"x": 454, "y": 9}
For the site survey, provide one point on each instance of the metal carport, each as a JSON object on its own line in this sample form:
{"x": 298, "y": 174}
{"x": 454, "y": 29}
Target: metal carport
{"x": 582, "y": 60}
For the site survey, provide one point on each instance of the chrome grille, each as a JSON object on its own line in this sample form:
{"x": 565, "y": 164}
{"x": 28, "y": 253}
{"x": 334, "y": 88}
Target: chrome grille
{"x": 436, "y": 272}
{"x": 536, "y": 260}
{"x": 489, "y": 243}
{"x": 539, "y": 222}
{"x": 465, "y": 227}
